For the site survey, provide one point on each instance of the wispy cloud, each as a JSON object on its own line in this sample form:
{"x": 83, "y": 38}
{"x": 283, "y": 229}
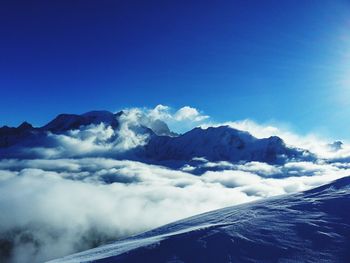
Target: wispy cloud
{"x": 179, "y": 120}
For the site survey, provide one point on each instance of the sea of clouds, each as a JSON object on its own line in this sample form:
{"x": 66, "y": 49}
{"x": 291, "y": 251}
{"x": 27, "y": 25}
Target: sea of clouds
{"x": 76, "y": 191}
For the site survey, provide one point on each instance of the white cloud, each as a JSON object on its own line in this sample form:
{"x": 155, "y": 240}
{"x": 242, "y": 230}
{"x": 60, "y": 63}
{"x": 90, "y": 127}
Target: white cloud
{"x": 160, "y": 112}
{"x": 180, "y": 120}
{"x": 262, "y": 169}
{"x": 91, "y": 140}
{"x": 231, "y": 179}
{"x": 189, "y": 113}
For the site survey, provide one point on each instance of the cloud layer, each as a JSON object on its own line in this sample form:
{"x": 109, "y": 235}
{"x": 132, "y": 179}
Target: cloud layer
{"x": 57, "y": 207}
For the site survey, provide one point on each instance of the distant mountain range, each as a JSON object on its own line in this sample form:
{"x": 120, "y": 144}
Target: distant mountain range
{"x": 214, "y": 143}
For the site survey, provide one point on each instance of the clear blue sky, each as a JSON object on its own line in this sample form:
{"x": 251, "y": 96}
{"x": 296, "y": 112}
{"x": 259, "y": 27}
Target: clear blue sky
{"x": 277, "y": 60}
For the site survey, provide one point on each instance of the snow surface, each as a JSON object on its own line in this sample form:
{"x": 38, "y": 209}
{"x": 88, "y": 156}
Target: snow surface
{"x": 312, "y": 226}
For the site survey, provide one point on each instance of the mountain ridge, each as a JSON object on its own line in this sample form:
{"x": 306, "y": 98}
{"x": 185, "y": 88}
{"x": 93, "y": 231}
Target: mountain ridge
{"x": 221, "y": 143}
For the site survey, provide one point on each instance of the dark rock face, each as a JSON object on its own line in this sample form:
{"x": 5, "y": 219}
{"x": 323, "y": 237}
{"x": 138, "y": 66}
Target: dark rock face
{"x": 25, "y": 126}
{"x": 336, "y": 146}
{"x": 161, "y": 128}
{"x": 65, "y": 122}
{"x": 11, "y": 135}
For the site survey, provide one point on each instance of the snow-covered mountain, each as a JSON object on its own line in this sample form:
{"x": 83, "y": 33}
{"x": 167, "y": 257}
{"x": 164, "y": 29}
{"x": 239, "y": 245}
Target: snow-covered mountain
{"x": 221, "y": 144}
{"x": 158, "y": 142}
{"x": 312, "y": 226}
{"x": 10, "y": 136}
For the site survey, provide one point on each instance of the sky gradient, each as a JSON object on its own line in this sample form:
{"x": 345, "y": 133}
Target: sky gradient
{"x": 262, "y": 60}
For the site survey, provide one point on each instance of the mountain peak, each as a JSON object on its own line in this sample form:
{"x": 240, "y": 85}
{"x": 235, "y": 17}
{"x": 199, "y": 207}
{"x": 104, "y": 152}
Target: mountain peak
{"x": 64, "y": 122}
{"x": 336, "y": 146}
{"x": 25, "y": 126}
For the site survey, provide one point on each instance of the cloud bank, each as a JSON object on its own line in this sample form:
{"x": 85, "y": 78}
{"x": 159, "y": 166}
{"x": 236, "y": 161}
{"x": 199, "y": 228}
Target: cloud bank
{"x": 57, "y": 207}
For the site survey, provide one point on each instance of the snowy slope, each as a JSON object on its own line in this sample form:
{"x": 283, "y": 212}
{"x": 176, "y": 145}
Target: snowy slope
{"x": 312, "y": 226}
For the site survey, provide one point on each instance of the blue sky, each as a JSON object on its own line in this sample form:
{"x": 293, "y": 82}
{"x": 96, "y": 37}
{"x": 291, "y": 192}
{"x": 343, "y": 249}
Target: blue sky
{"x": 281, "y": 61}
